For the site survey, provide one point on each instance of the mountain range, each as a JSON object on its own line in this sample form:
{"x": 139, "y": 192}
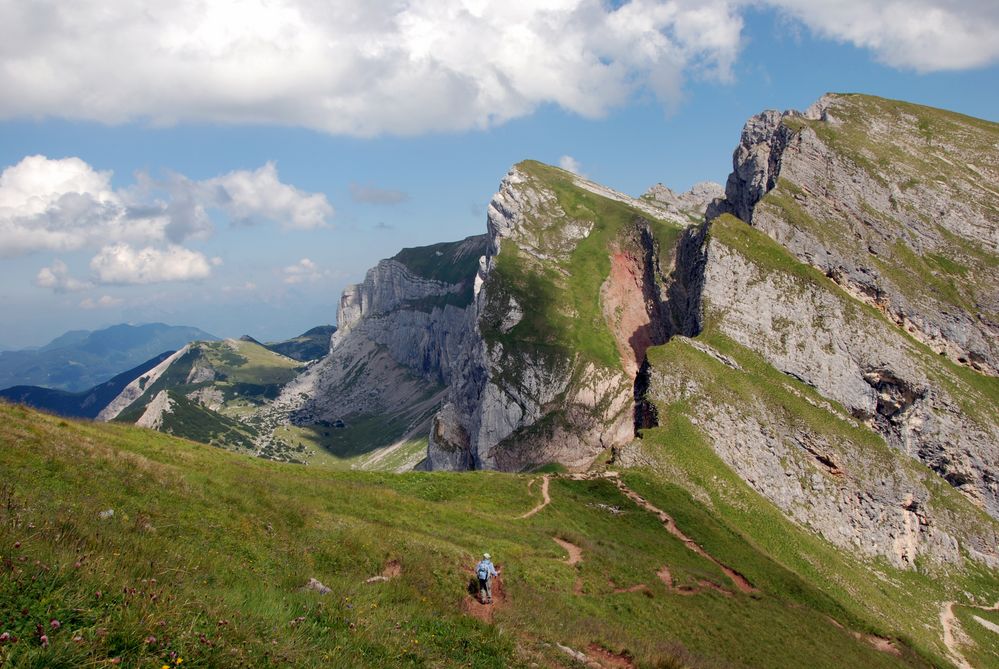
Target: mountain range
{"x": 758, "y": 422}
{"x": 80, "y": 359}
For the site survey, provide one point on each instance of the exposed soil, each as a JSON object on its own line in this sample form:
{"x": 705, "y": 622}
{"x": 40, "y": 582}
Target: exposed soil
{"x": 638, "y": 587}
{"x": 575, "y": 557}
{"x": 623, "y": 298}
{"x": 740, "y": 581}
{"x": 392, "y": 569}
{"x": 546, "y": 499}
{"x": 879, "y": 643}
{"x": 475, "y": 608}
{"x": 609, "y": 659}
{"x": 574, "y": 551}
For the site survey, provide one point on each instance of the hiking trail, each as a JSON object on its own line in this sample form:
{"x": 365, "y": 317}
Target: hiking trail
{"x": 546, "y": 498}
{"x": 953, "y": 635}
{"x": 475, "y": 608}
{"x": 740, "y": 581}
{"x": 574, "y": 558}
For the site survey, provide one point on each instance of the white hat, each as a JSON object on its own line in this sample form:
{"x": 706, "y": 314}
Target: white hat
{"x": 486, "y": 555}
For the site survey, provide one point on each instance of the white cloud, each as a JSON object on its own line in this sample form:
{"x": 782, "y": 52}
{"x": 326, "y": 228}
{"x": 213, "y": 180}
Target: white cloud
{"x": 570, "y": 164}
{"x": 62, "y": 205}
{"x": 923, "y": 35}
{"x": 122, "y": 264}
{"x": 103, "y": 302}
{"x": 251, "y": 197}
{"x": 353, "y": 66}
{"x": 303, "y": 271}
{"x": 364, "y": 68}
{"x": 65, "y": 204}
{"x": 57, "y": 278}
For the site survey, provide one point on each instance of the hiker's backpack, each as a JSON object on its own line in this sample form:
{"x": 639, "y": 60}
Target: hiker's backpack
{"x": 483, "y": 571}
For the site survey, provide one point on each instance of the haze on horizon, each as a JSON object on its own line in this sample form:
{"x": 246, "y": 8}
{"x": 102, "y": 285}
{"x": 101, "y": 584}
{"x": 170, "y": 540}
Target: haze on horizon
{"x": 233, "y": 166}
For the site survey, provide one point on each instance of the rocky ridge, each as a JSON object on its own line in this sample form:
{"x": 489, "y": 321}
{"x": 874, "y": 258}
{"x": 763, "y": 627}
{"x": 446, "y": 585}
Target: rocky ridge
{"x": 526, "y": 392}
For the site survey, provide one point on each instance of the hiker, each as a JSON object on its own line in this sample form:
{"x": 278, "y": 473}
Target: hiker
{"x": 485, "y": 572}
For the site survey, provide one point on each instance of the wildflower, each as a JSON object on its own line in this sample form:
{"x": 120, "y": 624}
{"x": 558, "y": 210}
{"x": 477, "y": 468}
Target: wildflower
{"x": 17, "y": 544}
{"x": 165, "y": 666}
{"x": 44, "y": 640}
{"x": 179, "y": 660}
{"x": 55, "y": 624}
{"x": 150, "y": 639}
{"x": 5, "y": 637}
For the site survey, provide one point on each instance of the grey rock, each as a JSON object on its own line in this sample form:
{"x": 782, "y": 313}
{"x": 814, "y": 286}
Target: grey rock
{"x": 894, "y": 201}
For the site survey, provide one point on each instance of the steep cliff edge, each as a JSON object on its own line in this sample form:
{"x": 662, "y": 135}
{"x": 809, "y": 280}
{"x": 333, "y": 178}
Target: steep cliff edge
{"x": 894, "y": 201}
{"x": 569, "y": 296}
{"x": 400, "y": 333}
{"x": 820, "y": 451}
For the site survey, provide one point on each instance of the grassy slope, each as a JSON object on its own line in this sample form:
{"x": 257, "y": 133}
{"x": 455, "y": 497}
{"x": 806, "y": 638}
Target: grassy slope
{"x": 230, "y": 540}
{"x": 561, "y": 298}
{"x": 913, "y": 147}
{"x": 246, "y": 374}
{"x": 310, "y": 345}
{"x": 895, "y": 602}
{"x": 902, "y": 602}
{"x": 977, "y": 394}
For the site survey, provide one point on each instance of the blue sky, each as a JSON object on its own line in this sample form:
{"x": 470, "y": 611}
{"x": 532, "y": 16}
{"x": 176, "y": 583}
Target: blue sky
{"x": 408, "y": 162}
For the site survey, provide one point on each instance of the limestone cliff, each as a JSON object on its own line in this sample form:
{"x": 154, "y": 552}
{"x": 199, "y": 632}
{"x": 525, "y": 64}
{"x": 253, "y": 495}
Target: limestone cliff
{"x": 400, "y": 333}
{"x": 894, "y": 201}
{"x": 569, "y": 297}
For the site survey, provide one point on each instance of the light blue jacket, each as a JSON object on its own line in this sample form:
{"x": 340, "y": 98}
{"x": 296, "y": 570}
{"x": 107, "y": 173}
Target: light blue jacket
{"x": 486, "y": 566}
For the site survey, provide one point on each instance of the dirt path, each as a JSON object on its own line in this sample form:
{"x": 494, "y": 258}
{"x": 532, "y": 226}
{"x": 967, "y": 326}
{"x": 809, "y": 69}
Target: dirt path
{"x": 546, "y": 499}
{"x": 574, "y": 551}
{"x": 475, "y": 608}
{"x": 740, "y": 581}
{"x": 575, "y": 557}
{"x": 952, "y": 631}
{"x": 948, "y": 621}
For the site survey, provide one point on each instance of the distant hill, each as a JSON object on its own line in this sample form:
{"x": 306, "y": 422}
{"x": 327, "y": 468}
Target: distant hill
{"x": 208, "y": 392}
{"x": 310, "y": 345}
{"x": 85, "y": 404}
{"x": 79, "y": 359}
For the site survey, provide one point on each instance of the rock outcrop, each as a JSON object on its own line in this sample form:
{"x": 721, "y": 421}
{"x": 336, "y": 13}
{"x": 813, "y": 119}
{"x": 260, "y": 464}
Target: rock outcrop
{"x": 568, "y": 298}
{"x": 894, "y": 201}
{"x": 400, "y": 335}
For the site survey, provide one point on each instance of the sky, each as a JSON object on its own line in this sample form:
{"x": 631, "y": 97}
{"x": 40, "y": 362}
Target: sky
{"x": 234, "y": 165}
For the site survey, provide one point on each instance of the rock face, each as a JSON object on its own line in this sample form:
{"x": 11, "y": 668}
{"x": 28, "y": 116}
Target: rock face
{"x": 894, "y": 201}
{"x": 399, "y": 339}
{"x": 824, "y": 406}
{"x": 568, "y": 299}
{"x": 823, "y": 469}
{"x": 691, "y": 204}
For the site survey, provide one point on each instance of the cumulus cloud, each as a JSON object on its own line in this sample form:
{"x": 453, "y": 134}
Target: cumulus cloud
{"x": 57, "y": 278}
{"x": 366, "y": 68}
{"x": 122, "y": 264}
{"x": 923, "y": 35}
{"x": 252, "y": 197}
{"x": 303, "y": 271}
{"x": 570, "y": 164}
{"x": 353, "y": 66}
{"x": 375, "y": 195}
{"x": 103, "y": 302}
{"x": 65, "y": 204}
